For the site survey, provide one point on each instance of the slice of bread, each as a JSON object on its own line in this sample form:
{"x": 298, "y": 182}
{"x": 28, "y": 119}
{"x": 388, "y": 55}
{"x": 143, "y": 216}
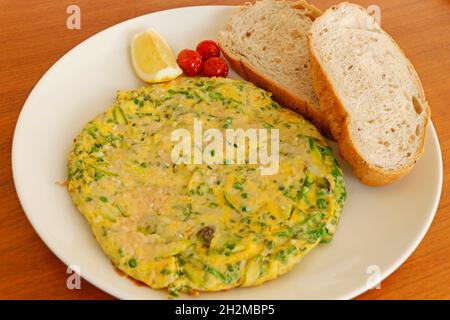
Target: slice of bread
{"x": 267, "y": 43}
{"x": 370, "y": 93}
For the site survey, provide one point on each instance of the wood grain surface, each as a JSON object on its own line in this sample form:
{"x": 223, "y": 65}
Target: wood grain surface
{"x": 34, "y": 36}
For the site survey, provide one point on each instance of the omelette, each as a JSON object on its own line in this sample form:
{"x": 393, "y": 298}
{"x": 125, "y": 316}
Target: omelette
{"x": 202, "y": 227}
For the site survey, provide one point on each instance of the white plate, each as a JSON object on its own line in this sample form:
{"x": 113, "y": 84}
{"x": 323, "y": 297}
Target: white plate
{"x": 380, "y": 226}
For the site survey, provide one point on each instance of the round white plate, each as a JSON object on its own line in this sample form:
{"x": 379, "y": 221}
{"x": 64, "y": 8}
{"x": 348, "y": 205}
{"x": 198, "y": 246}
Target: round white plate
{"x": 380, "y": 226}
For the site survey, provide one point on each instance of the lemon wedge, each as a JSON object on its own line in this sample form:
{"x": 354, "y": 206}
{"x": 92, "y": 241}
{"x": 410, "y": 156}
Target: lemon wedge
{"x": 152, "y": 59}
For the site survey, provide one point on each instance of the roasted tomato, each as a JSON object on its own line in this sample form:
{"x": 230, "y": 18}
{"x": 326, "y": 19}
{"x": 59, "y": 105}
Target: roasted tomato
{"x": 208, "y": 49}
{"x": 190, "y": 61}
{"x": 215, "y": 67}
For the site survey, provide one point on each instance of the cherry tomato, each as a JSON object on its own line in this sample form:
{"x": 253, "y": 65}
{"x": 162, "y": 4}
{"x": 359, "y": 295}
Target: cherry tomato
{"x": 190, "y": 61}
{"x": 215, "y": 67}
{"x": 208, "y": 49}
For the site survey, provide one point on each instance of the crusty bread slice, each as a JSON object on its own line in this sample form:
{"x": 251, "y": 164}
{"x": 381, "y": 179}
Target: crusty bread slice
{"x": 267, "y": 44}
{"x": 370, "y": 93}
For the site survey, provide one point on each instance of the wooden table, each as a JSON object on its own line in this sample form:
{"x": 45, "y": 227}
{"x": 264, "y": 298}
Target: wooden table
{"x": 34, "y": 36}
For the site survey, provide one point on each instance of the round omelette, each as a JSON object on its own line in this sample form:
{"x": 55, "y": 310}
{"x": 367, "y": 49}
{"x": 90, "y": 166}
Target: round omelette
{"x": 202, "y": 227}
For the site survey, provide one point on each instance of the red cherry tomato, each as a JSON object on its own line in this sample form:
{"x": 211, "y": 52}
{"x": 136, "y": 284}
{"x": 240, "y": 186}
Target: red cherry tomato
{"x": 208, "y": 49}
{"x": 215, "y": 67}
{"x": 190, "y": 61}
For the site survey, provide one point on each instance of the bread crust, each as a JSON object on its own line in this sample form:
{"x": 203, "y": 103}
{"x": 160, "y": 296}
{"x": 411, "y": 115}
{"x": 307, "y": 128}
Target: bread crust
{"x": 279, "y": 93}
{"x": 314, "y": 12}
{"x": 338, "y": 120}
